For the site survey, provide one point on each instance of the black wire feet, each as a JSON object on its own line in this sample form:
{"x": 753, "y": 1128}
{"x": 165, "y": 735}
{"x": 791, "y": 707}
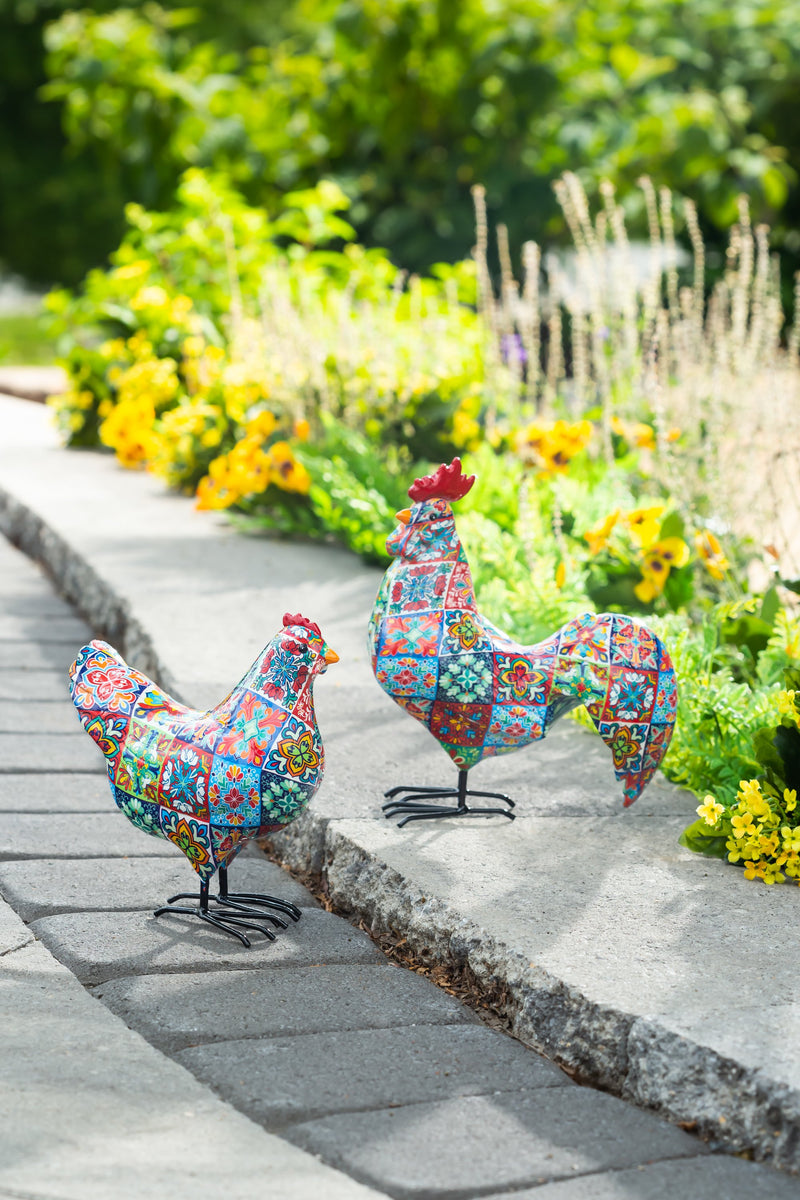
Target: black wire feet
{"x": 234, "y": 912}
{"x": 419, "y": 807}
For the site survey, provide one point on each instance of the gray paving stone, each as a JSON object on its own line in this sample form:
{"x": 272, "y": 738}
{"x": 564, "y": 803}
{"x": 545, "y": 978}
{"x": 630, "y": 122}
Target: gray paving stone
{"x": 46, "y": 716}
{"x": 100, "y": 946}
{"x": 33, "y": 627}
{"x": 30, "y": 599}
{"x": 285, "y": 1080}
{"x": 89, "y": 1111}
{"x": 52, "y": 793}
{"x": 51, "y": 752}
{"x": 37, "y": 656}
{"x": 176, "y": 1011}
{"x": 20, "y": 686}
{"x": 44, "y": 887}
{"x": 713, "y": 1177}
{"x": 466, "y": 1146}
{"x": 77, "y": 835}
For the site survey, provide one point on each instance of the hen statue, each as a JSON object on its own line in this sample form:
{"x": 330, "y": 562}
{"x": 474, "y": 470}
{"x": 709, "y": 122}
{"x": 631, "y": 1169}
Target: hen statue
{"x": 480, "y": 693}
{"x": 212, "y": 781}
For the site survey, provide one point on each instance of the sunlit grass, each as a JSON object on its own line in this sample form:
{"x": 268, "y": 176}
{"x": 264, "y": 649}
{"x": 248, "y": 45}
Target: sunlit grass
{"x": 24, "y": 341}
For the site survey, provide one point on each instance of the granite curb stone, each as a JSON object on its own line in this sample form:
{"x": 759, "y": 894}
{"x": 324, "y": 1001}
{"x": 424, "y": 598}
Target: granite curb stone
{"x": 175, "y": 1011}
{"x": 283, "y": 1080}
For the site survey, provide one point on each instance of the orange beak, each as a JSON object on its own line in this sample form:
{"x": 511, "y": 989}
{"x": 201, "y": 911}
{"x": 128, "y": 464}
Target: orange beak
{"x": 330, "y": 656}
{"x": 404, "y": 516}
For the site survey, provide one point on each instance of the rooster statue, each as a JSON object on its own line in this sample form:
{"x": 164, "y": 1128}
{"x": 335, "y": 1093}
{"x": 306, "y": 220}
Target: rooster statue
{"x": 479, "y": 692}
{"x": 212, "y": 781}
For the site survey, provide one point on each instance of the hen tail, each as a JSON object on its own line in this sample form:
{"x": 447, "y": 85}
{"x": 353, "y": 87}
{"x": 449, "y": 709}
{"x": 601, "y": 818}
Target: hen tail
{"x": 104, "y": 690}
{"x": 629, "y": 690}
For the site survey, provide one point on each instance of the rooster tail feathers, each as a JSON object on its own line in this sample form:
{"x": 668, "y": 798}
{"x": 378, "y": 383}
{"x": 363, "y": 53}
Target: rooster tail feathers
{"x": 628, "y": 686}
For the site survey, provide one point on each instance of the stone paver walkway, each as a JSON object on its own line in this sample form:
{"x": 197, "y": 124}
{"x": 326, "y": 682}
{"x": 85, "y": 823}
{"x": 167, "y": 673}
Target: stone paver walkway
{"x": 317, "y": 1036}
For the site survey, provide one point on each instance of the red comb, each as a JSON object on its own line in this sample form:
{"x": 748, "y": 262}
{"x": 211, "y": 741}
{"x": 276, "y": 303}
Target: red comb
{"x": 448, "y": 483}
{"x": 304, "y": 622}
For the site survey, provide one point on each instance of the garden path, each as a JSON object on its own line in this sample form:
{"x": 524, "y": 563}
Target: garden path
{"x": 606, "y": 938}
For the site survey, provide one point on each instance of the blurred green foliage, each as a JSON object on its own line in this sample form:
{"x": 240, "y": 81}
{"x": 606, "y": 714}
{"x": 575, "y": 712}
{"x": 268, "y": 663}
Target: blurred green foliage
{"x": 405, "y": 103}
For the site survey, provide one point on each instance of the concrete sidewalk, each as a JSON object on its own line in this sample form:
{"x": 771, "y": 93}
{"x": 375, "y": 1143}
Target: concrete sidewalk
{"x": 613, "y": 947}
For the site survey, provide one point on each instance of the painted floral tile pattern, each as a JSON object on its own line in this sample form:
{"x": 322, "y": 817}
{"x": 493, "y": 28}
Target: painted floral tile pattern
{"x": 207, "y": 781}
{"x": 481, "y": 694}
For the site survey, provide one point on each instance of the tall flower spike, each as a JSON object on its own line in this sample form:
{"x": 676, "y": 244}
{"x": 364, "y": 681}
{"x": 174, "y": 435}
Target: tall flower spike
{"x": 447, "y": 483}
{"x": 303, "y": 622}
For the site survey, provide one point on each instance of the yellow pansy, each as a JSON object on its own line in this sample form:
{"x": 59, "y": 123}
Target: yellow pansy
{"x": 597, "y": 537}
{"x": 550, "y": 446}
{"x": 644, "y": 524}
{"x": 286, "y": 472}
{"x": 657, "y": 563}
{"x": 710, "y": 553}
{"x": 635, "y": 432}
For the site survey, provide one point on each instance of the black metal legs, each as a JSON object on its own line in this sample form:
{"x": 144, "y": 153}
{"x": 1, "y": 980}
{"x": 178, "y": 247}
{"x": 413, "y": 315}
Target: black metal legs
{"x": 235, "y": 911}
{"x": 418, "y": 805}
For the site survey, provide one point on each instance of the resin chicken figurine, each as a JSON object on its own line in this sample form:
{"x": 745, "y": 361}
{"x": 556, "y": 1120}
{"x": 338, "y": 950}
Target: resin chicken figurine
{"x": 212, "y": 781}
{"x": 479, "y": 692}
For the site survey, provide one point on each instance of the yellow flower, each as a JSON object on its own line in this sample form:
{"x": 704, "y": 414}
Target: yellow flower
{"x": 150, "y": 297}
{"x": 749, "y": 792}
{"x": 791, "y": 839}
{"x": 302, "y": 429}
{"x": 550, "y": 446}
{"x": 193, "y": 346}
{"x": 286, "y": 472}
{"x": 561, "y": 574}
{"x": 790, "y": 799}
{"x": 742, "y": 825}
{"x": 211, "y": 495}
{"x": 644, "y": 524}
{"x": 710, "y": 551}
{"x": 128, "y": 430}
{"x": 597, "y": 537}
{"x": 657, "y": 563}
{"x": 262, "y": 425}
{"x": 659, "y": 560}
{"x": 646, "y": 590}
{"x": 132, "y": 270}
{"x": 710, "y": 810}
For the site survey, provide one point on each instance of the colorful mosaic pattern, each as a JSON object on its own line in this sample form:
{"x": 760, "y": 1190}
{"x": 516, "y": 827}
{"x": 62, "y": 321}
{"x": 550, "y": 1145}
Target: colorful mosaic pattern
{"x": 480, "y": 693}
{"x": 209, "y": 781}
